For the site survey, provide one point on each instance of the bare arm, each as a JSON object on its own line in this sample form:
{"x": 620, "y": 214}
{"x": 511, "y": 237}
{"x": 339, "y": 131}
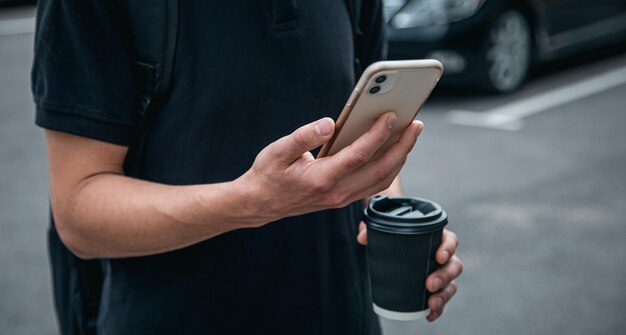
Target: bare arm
{"x": 100, "y": 213}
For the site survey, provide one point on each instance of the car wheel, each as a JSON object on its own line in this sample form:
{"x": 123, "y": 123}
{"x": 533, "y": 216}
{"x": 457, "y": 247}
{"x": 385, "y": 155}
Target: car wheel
{"x": 506, "y": 53}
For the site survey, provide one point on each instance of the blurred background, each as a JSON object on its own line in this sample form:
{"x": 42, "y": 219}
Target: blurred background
{"x": 524, "y": 146}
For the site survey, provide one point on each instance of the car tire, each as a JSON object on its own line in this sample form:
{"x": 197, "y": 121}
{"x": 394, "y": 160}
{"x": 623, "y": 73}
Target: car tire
{"x": 506, "y": 53}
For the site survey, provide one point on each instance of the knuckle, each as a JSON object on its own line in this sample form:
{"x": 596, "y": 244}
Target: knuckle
{"x": 446, "y": 278}
{"x": 256, "y": 166}
{"x": 357, "y": 159}
{"x": 399, "y": 158}
{"x": 447, "y": 295}
{"x": 438, "y": 309}
{"x": 262, "y": 156}
{"x": 433, "y": 302}
{"x": 453, "y": 236}
{"x": 300, "y": 138}
{"x": 459, "y": 265}
{"x": 381, "y": 136}
{"x": 322, "y": 186}
{"x": 385, "y": 173}
{"x": 453, "y": 288}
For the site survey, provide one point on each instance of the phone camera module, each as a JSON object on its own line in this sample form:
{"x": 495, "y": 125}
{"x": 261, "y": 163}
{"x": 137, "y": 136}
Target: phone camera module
{"x": 381, "y": 79}
{"x": 374, "y": 89}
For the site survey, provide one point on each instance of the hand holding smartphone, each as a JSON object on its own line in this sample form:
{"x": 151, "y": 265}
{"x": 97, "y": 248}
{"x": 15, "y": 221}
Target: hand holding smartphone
{"x": 401, "y": 87}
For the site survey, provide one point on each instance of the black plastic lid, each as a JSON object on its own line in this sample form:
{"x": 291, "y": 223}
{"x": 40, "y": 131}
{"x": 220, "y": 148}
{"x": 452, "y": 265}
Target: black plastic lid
{"x": 404, "y": 215}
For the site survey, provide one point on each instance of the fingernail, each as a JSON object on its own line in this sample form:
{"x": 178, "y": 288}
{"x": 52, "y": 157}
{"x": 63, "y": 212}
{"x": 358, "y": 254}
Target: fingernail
{"x": 437, "y": 283}
{"x": 391, "y": 120}
{"x": 322, "y": 128}
{"x": 446, "y": 256}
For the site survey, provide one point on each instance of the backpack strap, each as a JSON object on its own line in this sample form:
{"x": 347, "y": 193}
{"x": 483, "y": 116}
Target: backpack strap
{"x": 154, "y": 50}
{"x": 354, "y": 10}
{"x": 367, "y": 18}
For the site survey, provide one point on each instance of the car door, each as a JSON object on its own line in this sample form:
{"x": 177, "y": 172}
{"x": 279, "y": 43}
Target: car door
{"x": 569, "y": 22}
{"x": 567, "y": 15}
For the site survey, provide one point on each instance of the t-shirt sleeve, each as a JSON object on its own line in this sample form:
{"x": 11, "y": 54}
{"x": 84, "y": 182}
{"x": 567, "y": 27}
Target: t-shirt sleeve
{"x": 82, "y": 79}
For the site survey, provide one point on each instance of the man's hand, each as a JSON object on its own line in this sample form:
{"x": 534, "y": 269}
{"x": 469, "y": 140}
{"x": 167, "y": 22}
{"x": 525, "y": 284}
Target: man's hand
{"x": 286, "y": 180}
{"x": 441, "y": 282}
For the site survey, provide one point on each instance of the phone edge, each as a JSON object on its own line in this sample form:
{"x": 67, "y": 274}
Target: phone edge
{"x": 365, "y": 77}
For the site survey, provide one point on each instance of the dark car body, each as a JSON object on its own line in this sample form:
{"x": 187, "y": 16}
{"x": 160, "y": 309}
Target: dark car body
{"x": 557, "y": 28}
{"x": 6, "y": 3}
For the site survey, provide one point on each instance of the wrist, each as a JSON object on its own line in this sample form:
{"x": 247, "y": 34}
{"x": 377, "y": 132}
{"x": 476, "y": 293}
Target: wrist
{"x": 224, "y": 207}
{"x": 248, "y": 203}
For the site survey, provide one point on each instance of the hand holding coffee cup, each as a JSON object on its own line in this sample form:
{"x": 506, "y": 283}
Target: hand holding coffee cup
{"x": 404, "y": 234}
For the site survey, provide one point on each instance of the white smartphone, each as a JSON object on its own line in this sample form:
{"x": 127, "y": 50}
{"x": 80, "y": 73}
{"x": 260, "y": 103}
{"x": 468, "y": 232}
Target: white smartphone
{"x": 389, "y": 86}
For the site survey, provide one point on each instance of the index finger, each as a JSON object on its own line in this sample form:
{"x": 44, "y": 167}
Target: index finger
{"x": 361, "y": 151}
{"x": 449, "y": 244}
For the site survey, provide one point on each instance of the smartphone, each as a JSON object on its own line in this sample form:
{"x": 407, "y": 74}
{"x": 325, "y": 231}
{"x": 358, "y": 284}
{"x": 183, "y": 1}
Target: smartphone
{"x": 388, "y": 86}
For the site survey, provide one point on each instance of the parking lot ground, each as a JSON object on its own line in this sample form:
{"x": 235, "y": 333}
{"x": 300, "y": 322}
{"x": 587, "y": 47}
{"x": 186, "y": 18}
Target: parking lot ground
{"x": 541, "y": 211}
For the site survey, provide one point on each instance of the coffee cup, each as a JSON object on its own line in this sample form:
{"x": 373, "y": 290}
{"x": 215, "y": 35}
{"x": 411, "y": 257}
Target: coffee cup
{"x": 403, "y": 235}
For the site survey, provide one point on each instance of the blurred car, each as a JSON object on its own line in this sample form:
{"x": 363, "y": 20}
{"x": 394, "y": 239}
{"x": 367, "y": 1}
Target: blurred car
{"x": 493, "y": 43}
{"x": 4, "y": 3}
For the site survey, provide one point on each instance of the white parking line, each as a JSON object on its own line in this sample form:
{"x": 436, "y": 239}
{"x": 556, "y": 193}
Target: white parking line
{"x": 509, "y": 116}
{"x": 17, "y": 26}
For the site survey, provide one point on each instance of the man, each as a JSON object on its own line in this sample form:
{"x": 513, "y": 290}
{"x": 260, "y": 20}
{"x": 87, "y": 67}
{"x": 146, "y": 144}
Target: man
{"x": 230, "y": 228}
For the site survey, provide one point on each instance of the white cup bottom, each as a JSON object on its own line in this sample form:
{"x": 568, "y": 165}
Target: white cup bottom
{"x": 398, "y": 323}
{"x": 395, "y": 327}
{"x": 401, "y": 316}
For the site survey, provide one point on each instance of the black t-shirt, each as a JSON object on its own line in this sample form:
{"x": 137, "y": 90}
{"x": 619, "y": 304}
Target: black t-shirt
{"x": 246, "y": 73}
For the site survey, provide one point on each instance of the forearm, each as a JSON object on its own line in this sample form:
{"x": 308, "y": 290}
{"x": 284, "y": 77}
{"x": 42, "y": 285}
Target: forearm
{"x": 110, "y": 215}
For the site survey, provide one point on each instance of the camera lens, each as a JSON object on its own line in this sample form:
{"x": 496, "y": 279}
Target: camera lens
{"x": 381, "y": 79}
{"x": 374, "y": 89}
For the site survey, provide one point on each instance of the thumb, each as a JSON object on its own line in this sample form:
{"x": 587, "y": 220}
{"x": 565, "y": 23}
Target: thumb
{"x": 304, "y": 139}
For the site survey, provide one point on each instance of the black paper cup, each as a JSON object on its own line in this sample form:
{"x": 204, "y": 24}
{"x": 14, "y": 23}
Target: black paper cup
{"x": 403, "y": 235}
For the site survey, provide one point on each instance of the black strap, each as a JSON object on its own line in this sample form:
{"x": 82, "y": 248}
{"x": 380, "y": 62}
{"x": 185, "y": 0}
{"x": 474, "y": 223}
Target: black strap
{"x": 354, "y": 10}
{"x": 154, "y": 77}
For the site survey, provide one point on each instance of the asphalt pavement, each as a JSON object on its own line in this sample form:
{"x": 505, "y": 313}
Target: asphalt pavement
{"x": 540, "y": 211}
{"x": 540, "y": 208}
